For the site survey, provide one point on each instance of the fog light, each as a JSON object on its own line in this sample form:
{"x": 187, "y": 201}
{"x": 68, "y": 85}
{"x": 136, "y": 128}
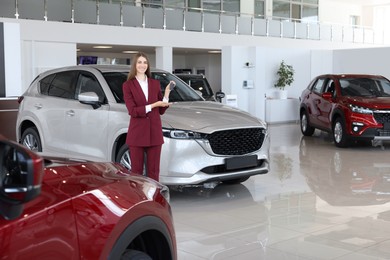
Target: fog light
{"x": 355, "y": 128}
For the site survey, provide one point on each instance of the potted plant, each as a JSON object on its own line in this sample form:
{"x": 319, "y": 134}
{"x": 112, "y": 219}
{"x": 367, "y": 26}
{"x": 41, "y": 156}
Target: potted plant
{"x": 286, "y": 78}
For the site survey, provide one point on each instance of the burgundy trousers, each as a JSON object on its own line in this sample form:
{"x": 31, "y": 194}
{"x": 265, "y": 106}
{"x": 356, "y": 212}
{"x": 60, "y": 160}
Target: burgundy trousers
{"x": 137, "y": 158}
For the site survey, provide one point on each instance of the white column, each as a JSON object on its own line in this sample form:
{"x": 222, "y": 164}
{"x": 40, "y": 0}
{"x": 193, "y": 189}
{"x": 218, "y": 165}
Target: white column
{"x": 12, "y": 60}
{"x": 164, "y": 58}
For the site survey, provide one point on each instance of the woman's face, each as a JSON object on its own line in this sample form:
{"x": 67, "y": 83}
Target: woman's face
{"x": 142, "y": 65}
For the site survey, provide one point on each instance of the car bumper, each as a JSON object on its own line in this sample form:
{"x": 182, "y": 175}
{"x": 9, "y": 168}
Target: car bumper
{"x": 185, "y": 162}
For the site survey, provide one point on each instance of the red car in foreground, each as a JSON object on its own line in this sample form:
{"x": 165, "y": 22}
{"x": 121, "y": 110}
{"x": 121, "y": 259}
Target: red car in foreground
{"x": 64, "y": 209}
{"x": 351, "y": 107}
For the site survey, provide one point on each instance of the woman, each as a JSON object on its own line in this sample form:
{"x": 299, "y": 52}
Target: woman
{"x": 145, "y": 104}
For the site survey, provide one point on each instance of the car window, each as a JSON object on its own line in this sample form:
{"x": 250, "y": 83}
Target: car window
{"x": 86, "y": 82}
{"x": 63, "y": 85}
{"x": 181, "y": 92}
{"x": 330, "y": 87}
{"x": 115, "y": 81}
{"x": 200, "y": 85}
{"x": 317, "y": 87}
{"x": 44, "y": 84}
{"x": 365, "y": 87}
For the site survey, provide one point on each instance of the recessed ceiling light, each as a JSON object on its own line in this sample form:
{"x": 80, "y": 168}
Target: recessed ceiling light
{"x": 129, "y": 51}
{"x": 102, "y": 47}
{"x": 216, "y": 51}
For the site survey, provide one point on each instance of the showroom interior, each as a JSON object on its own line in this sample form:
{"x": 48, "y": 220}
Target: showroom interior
{"x": 317, "y": 201}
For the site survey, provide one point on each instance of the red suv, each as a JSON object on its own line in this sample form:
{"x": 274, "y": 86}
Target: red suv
{"x": 63, "y": 209}
{"x": 351, "y": 107}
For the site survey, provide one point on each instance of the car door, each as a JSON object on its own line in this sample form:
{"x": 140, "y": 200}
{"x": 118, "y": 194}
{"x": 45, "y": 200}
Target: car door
{"x": 56, "y": 91}
{"x": 314, "y": 100}
{"x": 87, "y": 127}
{"x": 325, "y": 104}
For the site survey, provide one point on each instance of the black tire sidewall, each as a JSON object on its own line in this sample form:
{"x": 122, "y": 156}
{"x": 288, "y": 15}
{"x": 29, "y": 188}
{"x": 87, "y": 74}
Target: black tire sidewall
{"x": 32, "y": 131}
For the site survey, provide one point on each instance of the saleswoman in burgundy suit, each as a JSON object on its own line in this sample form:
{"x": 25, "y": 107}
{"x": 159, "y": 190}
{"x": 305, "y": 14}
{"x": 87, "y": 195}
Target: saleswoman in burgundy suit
{"x": 145, "y": 104}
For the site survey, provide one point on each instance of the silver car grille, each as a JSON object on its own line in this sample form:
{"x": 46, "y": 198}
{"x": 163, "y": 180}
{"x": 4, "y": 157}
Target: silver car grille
{"x": 236, "y": 141}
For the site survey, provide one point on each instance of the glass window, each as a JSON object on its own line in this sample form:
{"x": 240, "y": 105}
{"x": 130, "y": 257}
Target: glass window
{"x": 63, "y": 85}
{"x": 309, "y": 13}
{"x": 44, "y": 84}
{"x": 193, "y": 4}
{"x": 211, "y": 5}
{"x": 259, "y": 8}
{"x": 231, "y": 6}
{"x": 175, "y": 3}
{"x": 153, "y": 3}
{"x": 181, "y": 92}
{"x": 296, "y": 12}
{"x": 88, "y": 83}
{"x": 311, "y": 1}
{"x": 115, "y": 81}
{"x": 281, "y": 9}
{"x": 317, "y": 87}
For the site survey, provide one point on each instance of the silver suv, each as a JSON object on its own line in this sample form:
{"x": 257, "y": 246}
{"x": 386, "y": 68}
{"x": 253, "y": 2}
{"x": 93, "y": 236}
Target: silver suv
{"x": 79, "y": 112}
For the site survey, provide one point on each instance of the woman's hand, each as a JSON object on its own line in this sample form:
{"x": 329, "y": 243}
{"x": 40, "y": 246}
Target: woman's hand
{"x": 161, "y": 104}
{"x": 169, "y": 88}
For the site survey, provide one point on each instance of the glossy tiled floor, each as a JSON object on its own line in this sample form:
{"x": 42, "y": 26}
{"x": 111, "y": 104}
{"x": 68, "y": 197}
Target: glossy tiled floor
{"x": 317, "y": 202}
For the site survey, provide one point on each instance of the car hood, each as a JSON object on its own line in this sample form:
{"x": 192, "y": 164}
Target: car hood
{"x": 370, "y": 102}
{"x": 207, "y": 117}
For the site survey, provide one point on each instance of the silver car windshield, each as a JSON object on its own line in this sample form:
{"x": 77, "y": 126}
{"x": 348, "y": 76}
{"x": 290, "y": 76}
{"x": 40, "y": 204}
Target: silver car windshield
{"x": 181, "y": 92}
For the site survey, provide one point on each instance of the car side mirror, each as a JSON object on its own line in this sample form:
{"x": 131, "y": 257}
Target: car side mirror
{"x": 89, "y": 98}
{"x": 21, "y": 173}
{"x": 219, "y": 95}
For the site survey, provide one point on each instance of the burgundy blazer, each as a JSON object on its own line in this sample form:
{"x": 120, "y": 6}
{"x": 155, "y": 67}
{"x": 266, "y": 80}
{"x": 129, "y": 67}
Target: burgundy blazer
{"x": 145, "y": 129}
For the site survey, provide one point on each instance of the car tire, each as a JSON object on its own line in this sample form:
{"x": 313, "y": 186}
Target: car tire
{"x": 236, "y": 181}
{"x": 135, "y": 255}
{"x": 306, "y": 129}
{"x": 31, "y": 139}
{"x": 339, "y": 134}
{"x": 123, "y": 156}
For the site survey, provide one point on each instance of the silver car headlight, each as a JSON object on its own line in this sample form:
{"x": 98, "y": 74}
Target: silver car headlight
{"x": 182, "y": 134}
{"x": 360, "y": 110}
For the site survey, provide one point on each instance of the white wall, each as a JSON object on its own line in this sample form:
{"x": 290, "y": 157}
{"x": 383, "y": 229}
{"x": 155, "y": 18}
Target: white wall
{"x": 265, "y": 61}
{"x": 369, "y": 61}
{"x": 335, "y": 12}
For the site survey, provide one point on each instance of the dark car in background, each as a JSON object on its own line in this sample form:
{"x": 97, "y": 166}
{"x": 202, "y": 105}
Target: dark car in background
{"x": 200, "y": 83}
{"x": 350, "y": 106}
{"x": 52, "y": 208}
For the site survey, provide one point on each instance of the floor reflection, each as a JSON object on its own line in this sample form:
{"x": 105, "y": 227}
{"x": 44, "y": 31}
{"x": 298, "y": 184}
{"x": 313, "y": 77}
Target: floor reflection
{"x": 317, "y": 202}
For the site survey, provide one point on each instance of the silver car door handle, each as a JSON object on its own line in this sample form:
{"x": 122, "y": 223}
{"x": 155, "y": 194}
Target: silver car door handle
{"x": 38, "y": 106}
{"x": 70, "y": 113}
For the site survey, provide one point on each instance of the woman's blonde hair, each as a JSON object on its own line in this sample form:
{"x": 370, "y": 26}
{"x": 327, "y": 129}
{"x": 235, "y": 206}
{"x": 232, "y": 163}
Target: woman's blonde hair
{"x": 133, "y": 68}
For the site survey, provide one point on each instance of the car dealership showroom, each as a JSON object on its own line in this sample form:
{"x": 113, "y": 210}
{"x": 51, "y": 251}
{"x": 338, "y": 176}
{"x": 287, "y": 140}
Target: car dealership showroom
{"x": 286, "y": 158}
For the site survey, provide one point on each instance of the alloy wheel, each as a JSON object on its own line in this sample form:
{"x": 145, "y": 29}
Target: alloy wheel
{"x": 338, "y": 132}
{"x": 304, "y": 123}
{"x": 31, "y": 142}
{"x": 125, "y": 160}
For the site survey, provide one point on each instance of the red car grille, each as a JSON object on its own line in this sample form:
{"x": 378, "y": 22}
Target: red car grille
{"x": 236, "y": 142}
